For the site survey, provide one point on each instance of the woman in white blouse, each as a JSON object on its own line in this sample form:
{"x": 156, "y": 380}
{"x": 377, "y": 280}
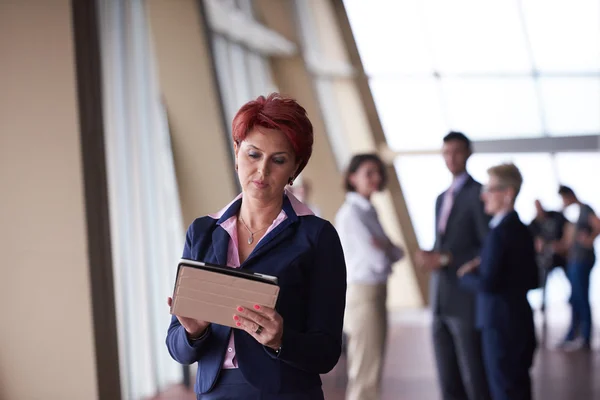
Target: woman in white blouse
{"x": 369, "y": 257}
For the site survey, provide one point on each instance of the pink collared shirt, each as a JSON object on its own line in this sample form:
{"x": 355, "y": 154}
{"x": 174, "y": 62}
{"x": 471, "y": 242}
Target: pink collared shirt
{"x": 233, "y": 255}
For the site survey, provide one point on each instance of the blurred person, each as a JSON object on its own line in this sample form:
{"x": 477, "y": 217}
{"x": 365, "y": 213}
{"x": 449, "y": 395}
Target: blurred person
{"x": 580, "y": 261}
{"x": 302, "y": 191}
{"x": 501, "y": 276}
{"x": 369, "y": 257}
{"x": 548, "y": 230}
{"x": 461, "y": 228}
{"x": 276, "y": 353}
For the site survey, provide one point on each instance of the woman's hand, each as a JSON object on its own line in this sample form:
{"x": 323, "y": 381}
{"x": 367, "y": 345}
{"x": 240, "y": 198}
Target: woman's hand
{"x": 468, "y": 267}
{"x": 193, "y": 327}
{"x": 263, "y": 323}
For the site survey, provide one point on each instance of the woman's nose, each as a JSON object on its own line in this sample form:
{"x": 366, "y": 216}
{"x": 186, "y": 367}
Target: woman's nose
{"x": 264, "y": 168}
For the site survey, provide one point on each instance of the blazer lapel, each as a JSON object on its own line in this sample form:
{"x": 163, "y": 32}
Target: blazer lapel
{"x": 220, "y": 245}
{"x": 220, "y": 237}
{"x": 457, "y": 199}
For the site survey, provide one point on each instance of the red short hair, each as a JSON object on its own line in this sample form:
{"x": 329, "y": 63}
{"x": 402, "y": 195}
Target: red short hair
{"x": 280, "y": 113}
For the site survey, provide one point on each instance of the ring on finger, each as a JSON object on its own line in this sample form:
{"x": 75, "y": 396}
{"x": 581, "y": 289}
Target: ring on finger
{"x": 258, "y": 330}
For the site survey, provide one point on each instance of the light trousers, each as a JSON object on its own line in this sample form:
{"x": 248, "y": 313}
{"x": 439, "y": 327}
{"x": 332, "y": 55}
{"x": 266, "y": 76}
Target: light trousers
{"x": 365, "y": 324}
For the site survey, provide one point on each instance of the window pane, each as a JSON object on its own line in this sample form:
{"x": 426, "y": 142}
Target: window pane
{"x": 221, "y": 54}
{"x": 239, "y": 73}
{"x": 571, "y": 105}
{"x": 477, "y": 36}
{"x": 493, "y": 108}
{"x": 389, "y": 35}
{"x": 410, "y": 112}
{"x": 422, "y": 178}
{"x": 564, "y": 34}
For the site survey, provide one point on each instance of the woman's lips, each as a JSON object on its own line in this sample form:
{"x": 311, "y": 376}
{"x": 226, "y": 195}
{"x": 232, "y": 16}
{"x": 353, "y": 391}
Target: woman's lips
{"x": 260, "y": 184}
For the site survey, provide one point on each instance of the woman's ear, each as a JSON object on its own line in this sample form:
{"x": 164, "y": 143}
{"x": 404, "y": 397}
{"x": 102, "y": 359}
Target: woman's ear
{"x": 351, "y": 179}
{"x": 236, "y": 149}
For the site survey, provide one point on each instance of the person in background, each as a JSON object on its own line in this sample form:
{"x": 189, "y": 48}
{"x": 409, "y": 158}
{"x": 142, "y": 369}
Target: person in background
{"x": 302, "y": 191}
{"x": 501, "y": 276}
{"x": 369, "y": 257}
{"x": 461, "y": 228}
{"x": 548, "y": 229}
{"x": 580, "y": 261}
{"x": 276, "y": 353}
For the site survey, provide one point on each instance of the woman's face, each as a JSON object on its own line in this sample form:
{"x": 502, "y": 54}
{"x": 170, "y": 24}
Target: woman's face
{"x": 266, "y": 161}
{"x": 496, "y": 197}
{"x": 367, "y": 179}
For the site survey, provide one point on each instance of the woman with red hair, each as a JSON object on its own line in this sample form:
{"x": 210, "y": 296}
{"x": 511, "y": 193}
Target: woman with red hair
{"x": 275, "y": 353}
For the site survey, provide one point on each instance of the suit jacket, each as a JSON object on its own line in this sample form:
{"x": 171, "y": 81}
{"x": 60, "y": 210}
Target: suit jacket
{"x": 465, "y": 233}
{"x": 508, "y": 270}
{"x": 306, "y": 255}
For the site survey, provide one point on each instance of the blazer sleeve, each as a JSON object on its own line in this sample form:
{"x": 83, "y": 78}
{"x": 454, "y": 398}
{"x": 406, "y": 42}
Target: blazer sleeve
{"x": 317, "y": 350}
{"x": 488, "y": 277}
{"x": 180, "y": 347}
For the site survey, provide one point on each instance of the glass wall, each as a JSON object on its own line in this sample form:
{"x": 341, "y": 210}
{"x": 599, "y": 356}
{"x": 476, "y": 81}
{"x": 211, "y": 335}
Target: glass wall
{"x": 494, "y": 69}
{"x": 501, "y": 69}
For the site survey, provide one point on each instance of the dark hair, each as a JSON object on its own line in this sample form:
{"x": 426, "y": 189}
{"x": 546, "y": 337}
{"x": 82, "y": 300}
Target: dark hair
{"x": 458, "y": 136}
{"x": 565, "y": 191}
{"x": 281, "y": 113}
{"x": 356, "y": 162}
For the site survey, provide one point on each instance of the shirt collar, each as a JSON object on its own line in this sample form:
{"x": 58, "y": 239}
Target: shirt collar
{"x": 355, "y": 198}
{"x": 496, "y": 219}
{"x": 459, "y": 181}
{"x": 232, "y": 208}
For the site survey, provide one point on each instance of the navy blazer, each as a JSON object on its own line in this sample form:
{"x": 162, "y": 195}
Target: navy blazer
{"x": 306, "y": 255}
{"x": 466, "y": 230}
{"x": 508, "y": 270}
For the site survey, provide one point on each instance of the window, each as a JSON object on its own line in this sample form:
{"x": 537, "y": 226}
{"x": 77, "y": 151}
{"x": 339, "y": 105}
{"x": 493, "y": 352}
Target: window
{"x": 495, "y": 69}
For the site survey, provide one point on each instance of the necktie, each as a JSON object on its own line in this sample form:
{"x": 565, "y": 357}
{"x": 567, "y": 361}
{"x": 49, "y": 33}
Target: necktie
{"x": 447, "y": 204}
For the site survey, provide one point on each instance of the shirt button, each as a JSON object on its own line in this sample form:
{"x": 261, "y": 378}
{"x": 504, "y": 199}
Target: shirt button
{"x": 230, "y": 349}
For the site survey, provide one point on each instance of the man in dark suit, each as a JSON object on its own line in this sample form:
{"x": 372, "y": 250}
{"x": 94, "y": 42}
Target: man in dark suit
{"x": 461, "y": 228}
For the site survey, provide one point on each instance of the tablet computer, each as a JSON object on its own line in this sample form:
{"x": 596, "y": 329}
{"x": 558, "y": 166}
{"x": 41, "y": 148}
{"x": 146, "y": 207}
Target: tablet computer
{"x": 209, "y": 292}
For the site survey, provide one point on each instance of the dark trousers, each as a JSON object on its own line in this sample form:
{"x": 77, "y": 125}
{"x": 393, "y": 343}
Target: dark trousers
{"x": 581, "y": 315}
{"x": 457, "y": 346}
{"x": 508, "y": 356}
{"x": 232, "y": 385}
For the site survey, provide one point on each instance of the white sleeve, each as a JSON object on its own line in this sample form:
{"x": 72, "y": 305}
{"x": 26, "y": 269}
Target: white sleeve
{"x": 357, "y": 242}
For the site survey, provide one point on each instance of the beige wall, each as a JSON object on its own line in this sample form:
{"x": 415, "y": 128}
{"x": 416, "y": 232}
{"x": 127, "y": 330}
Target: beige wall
{"x": 202, "y": 155}
{"x": 46, "y": 322}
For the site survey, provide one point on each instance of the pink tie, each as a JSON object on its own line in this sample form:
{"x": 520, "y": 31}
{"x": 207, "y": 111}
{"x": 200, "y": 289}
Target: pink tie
{"x": 447, "y": 204}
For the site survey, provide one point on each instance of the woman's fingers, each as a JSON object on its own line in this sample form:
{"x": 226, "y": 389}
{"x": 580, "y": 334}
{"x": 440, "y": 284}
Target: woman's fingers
{"x": 257, "y": 315}
{"x": 265, "y": 320}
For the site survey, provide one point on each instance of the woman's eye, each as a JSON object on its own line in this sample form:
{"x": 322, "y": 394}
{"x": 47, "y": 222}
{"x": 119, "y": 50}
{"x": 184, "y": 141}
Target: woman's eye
{"x": 254, "y": 155}
{"x": 279, "y": 160}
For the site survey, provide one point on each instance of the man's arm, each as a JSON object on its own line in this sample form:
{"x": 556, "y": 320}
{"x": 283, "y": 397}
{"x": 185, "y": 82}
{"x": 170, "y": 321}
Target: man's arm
{"x": 588, "y": 239}
{"x": 489, "y": 277}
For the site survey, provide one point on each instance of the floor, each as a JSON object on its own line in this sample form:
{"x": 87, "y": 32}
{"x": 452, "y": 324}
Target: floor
{"x": 410, "y": 373}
